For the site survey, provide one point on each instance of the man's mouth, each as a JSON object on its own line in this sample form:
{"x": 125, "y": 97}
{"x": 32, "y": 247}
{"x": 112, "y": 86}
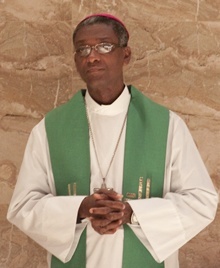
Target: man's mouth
{"x": 94, "y": 70}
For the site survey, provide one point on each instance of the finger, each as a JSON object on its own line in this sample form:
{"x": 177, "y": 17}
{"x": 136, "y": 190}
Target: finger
{"x": 110, "y": 194}
{"x": 116, "y": 205}
{"x": 100, "y": 196}
{"x": 106, "y": 213}
{"x": 112, "y": 225}
{"x": 98, "y": 223}
{"x": 105, "y": 209}
{"x": 102, "y": 231}
{"x": 110, "y": 228}
{"x": 113, "y": 216}
{"x": 100, "y": 211}
{"x": 112, "y": 231}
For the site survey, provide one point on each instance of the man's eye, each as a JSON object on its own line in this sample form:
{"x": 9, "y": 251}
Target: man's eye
{"x": 106, "y": 46}
{"x": 81, "y": 49}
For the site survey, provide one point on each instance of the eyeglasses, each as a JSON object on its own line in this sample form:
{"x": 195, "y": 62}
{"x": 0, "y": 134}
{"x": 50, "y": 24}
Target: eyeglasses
{"x": 102, "y": 48}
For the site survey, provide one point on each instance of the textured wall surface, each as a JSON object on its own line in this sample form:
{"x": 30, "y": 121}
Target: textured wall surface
{"x": 176, "y": 62}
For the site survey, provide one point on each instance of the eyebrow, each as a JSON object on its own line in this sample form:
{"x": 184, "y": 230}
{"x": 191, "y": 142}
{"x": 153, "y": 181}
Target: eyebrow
{"x": 99, "y": 40}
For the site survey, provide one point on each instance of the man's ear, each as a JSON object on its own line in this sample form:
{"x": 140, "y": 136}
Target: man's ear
{"x": 127, "y": 55}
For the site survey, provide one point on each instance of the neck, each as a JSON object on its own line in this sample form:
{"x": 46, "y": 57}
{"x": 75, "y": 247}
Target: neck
{"x": 105, "y": 96}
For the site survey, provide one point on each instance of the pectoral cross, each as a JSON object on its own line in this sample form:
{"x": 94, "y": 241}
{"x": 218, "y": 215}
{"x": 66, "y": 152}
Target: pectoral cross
{"x": 103, "y": 186}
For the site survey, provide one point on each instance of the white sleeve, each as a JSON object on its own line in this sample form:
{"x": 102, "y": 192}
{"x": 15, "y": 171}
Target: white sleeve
{"x": 48, "y": 219}
{"x": 189, "y": 203}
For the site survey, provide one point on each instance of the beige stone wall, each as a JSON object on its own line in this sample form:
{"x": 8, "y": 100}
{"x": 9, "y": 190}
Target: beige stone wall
{"x": 176, "y": 61}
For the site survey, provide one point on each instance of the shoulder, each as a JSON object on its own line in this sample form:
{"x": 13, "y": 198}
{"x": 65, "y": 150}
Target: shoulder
{"x": 179, "y": 133}
{"x": 176, "y": 122}
{"x": 141, "y": 99}
{"x": 66, "y": 109}
{"x": 38, "y": 132}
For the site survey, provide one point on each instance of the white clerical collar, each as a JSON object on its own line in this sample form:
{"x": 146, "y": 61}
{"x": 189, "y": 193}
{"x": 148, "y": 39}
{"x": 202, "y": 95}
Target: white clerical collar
{"x": 118, "y": 106}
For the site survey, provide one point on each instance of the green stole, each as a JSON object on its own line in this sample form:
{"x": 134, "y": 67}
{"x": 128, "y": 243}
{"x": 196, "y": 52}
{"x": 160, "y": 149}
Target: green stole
{"x": 145, "y": 152}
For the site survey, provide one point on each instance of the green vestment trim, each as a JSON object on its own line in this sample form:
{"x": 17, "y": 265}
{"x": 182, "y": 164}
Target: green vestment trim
{"x": 145, "y": 152}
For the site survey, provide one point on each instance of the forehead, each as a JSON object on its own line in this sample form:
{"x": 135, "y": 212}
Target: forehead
{"x": 95, "y": 33}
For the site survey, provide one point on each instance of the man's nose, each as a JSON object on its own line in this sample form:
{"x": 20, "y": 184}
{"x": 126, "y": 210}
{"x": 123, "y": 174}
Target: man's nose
{"x": 93, "y": 55}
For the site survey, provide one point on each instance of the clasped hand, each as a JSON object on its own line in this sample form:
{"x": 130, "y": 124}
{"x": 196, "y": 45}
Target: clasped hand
{"x": 106, "y": 211}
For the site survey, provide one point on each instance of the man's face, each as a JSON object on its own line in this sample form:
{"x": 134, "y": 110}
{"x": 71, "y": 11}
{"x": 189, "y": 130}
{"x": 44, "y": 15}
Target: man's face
{"x": 100, "y": 70}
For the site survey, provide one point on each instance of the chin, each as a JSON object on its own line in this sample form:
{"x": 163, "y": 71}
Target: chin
{"x": 96, "y": 83}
